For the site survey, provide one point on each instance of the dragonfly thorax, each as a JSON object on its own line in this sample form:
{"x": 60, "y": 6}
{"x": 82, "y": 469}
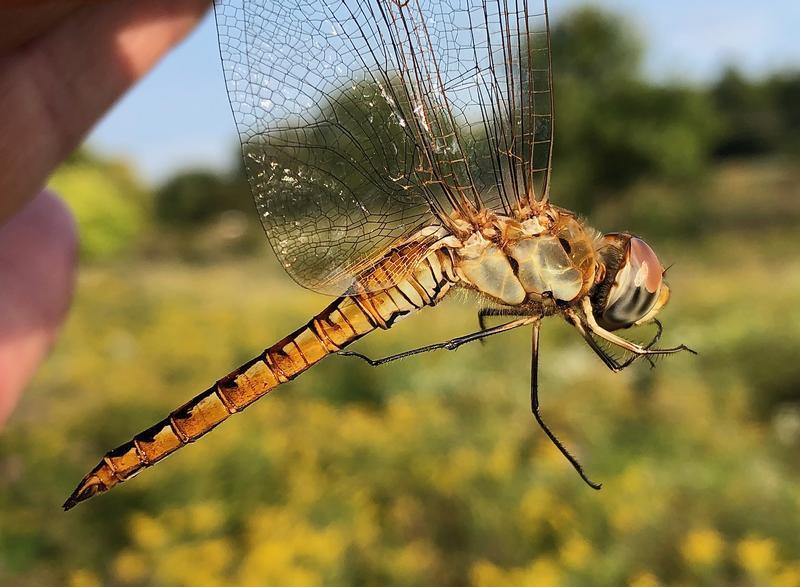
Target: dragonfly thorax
{"x": 546, "y": 258}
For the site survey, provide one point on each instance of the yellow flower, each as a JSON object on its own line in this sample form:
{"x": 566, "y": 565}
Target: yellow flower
{"x": 461, "y": 466}
{"x": 285, "y": 549}
{"x": 633, "y": 479}
{"x": 485, "y": 574}
{"x": 575, "y": 552}
{"x": 130, "y": 567}
{"x": 536, "y": 506}
{"x": 216, "y": 554}
{"x": 205, "y": 517}
{"x": 625, "y": 517}
{"x": 83, "y": 578}
{"x": 788, "y": 576}
{"x": 644, "y": 579}
{"x": 542, "y": 572}
{"x": 702, "y": 547}
{"x": 200, "y": 564}
{"x": 501, "y": 461}
{"x": 757, "y": 555}
{"x": 412, "y": 561}
{"x": 147, "y": 532}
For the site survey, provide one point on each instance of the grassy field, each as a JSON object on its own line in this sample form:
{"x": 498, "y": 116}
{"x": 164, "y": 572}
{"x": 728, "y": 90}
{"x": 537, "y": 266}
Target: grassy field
{"x": 432, "y": 471}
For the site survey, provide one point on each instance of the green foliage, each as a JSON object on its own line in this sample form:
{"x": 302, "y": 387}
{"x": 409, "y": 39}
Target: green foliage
{"x": 597, "y": 47}
{"x": 194, "y": 198}
{"x": 612, "y": 128}
{"x": 107, "y": 202}
{"x": 785, "y": 89}
{"x": 202, "y": 216}
{"x": 751, "y": 126}
{"x": 768, "y": 363}
{"x": 758, "y": 117}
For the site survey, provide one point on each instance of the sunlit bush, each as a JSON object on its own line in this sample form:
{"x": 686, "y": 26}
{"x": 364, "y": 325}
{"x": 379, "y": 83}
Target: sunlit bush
{"x": 107, "y": 202}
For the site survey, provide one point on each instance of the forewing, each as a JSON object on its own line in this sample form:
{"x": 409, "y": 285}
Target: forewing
{"x": 499, "y": 82}
{"x": 362, "y": 121}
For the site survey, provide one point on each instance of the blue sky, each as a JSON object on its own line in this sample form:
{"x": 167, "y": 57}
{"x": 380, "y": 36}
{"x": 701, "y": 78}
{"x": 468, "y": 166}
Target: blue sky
{"x": 179, "y": 117}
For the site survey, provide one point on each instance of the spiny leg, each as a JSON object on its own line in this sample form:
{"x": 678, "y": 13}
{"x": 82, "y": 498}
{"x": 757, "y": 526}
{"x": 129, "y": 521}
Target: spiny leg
{"x": 587, "y": 322}
{"x": 538, "y": 414}
{"x": 610, "y": 361}
{"x": 484, "y": 313}
{"x": 653, "y": 342}
{"x": 449, "y": 345}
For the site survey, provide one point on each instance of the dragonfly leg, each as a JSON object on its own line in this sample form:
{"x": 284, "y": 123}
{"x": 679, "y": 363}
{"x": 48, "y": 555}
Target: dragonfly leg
{"x": 587, "y": 322}
{"x": 484, "y": 313}
{"x": 449, "y": 345}
{"x": 653, "y": 342}
{"x": 611, "y": 362}
{"x": 538, "y": 414}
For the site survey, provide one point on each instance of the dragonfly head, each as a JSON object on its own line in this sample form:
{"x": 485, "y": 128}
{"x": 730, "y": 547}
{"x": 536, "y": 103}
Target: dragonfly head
{"x": 631, "y": 290}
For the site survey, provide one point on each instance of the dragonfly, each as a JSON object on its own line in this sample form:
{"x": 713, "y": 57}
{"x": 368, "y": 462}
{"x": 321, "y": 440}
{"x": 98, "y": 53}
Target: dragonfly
{"x": 397, "y": 151}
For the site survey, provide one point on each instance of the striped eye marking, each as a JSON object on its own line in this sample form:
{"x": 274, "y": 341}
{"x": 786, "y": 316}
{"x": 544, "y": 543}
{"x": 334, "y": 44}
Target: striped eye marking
{"x": 638, "y": 291}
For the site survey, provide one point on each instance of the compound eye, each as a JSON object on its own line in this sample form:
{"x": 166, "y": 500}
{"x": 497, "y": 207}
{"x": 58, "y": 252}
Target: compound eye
{"x": 636, "y": 289}
{"x": 648, "y": 270}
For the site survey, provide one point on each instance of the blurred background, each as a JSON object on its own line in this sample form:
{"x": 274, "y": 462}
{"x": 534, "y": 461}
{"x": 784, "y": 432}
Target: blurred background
{"x": 678, "y": 121}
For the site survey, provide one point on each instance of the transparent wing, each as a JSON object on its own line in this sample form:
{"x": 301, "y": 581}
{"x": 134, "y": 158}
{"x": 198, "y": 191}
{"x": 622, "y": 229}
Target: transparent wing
{"x": 362, "y": 121}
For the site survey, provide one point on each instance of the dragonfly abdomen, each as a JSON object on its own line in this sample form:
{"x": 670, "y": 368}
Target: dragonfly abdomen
{"x": 344, "y": 321}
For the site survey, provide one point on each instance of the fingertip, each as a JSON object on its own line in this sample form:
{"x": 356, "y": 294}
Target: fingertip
{"x": 43, "y": 241}
{"x": 38, "y": 258}
{"x": 56, "y": 215}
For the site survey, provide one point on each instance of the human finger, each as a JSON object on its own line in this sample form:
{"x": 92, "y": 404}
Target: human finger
{"x": 55, "y": 87}
{"x": 37, "y": 269}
